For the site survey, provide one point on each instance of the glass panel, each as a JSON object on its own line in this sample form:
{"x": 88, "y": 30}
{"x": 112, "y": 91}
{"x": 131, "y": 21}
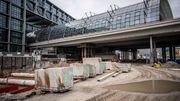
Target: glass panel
{"x": 3, "y": 47}
{"x": 16, "y": 24}
{"x": 3, "y": 35}
{"x": 48, "y": 7}
{"x": 16, "y": 12}
{"x": 16, "y": 48}
{"x": 40, "y": 10}
{"x": 3, "y": 21}
{"x": 16, "y": 37}
{"x": 30, "y": 5}
{"x": 17, "y": 2}
{"x": 3, "y": 7}
{"x": 48, "y": 15}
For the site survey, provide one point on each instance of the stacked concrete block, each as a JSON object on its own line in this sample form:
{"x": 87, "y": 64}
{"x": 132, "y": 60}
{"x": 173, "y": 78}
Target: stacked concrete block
{"x": 80, "y": 70}
{"x": 45, "y": 64}
{"x": 124, "y": 67}
{"x": 92, "y": 70}
{"x": 54, "y": 79}
{"x": 109, "y": 65}
{"x": 95, "y": 62}
{"x": 103, "y": 67}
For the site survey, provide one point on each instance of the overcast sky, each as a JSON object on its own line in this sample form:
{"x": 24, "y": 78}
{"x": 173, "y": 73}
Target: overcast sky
{"x": 77, "y": 8}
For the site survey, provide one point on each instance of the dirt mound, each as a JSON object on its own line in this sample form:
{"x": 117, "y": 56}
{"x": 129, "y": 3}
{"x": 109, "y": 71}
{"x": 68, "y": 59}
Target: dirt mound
{"x": 170, "y": 64}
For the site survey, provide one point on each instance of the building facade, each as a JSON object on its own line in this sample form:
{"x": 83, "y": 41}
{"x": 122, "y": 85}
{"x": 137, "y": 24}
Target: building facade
{"x": 148, "y": 11}
{"x": 18, "y": 17}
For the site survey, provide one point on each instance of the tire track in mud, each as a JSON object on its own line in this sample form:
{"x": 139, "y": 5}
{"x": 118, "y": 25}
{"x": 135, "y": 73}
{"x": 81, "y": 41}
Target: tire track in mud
{"x": 147, "y": 72}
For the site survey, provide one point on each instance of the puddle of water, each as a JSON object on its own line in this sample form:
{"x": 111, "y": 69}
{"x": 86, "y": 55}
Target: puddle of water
{"x": 150, "y": 86}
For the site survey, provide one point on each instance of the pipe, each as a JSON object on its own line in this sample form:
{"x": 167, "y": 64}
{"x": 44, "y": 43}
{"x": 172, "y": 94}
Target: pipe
{"x": 106, "y": 76}
{"x": 17, "y": 81}
{"x": 29, "y": 75}
{"x": 116, "y": 74}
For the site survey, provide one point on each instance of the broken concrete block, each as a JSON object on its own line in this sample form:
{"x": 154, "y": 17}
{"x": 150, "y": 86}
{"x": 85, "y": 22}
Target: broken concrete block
{"x": 95, "y": 62}
{"x": 80, "y": 70}
{"x": 54, "y": 79}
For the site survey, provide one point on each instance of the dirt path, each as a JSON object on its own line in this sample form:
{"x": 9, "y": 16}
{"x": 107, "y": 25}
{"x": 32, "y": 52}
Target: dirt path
{"x": 91, "y": 90}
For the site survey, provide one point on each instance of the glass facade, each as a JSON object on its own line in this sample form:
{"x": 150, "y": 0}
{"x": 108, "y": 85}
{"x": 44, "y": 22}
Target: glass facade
{"x": 15, "y": 48}
{"x": 30, "y": 5}
{"x": 3, "y": 47}
{"x": 39, "y": 14}
{"x": 16, "y": 24}
{"x": 17, "y": 2}
{"x": 3, "y": 7}
{"x": 3, "y": 35}
{"x": 129, "y": 16}
{"x": 16, "y": 37}
{"x": 48, "y": 7}
{"x": 3, "y": 21}
{"x": 16, "y": 12}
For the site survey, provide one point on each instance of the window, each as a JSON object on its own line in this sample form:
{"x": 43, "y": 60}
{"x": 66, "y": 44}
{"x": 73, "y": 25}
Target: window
{"x": 30, "y": 5}
{"x": 29, "y": 27}
{"x": 55, "y": 18}
{"x": 3, "y": 21}
{"x": 16, "y": 24}
{"x": 40, "y": 10}
{"x": 16, "y": 48}
{"x": 118, "y": 20}
{"x": 17, "y": 2}
{"x": 48, "y": 7}
{"x": 48, "y": 15}
{"x": 127, "y": 19}
{"x": 16, "y": 12}
{"x": 3, "y": 35}
{"x": 3, "y": 7}
{"x": 137, "y": 17}
{"x": 62, "y": 15}
{"x": 54, "y": 10}
{"x": 40, "y": 2}
{"x": 16, "y": 37}
{"x": 3, "y": 47}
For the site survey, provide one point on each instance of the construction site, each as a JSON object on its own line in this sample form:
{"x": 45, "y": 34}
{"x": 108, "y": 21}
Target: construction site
{"x": 125, "y": 54}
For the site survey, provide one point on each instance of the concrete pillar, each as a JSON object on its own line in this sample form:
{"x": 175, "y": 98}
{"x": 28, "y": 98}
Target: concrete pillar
{"x": 151, "y": 50}
{"x": 82, "y": 54}
{"x": 170, "y": 52}
{"x": 24, "y": 28}
{"x": 9, "y": 27}
{"x": 124, "y": 55}
{"x": 91, "y": 52}
{"x": 174, "y": 52}
{"x": 164, "y": 54}
{"x": 154, "y": 51}
{"x": 135, "y": 54}
{"x": 85, "y": 52}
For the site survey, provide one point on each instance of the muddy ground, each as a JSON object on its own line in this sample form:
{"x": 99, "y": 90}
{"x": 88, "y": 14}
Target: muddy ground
{"x": 91, "y": 90}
